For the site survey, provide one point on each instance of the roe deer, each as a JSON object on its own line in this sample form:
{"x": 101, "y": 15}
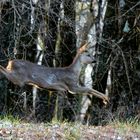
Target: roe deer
{"x": 22, "y": 72}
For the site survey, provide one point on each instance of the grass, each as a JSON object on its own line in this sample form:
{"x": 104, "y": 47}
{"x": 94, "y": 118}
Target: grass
{"x": 71, "y": 131}
{"x": 10, "y": 118}
{"x": 129, "y": 125}
{"x": 68, "y": 130}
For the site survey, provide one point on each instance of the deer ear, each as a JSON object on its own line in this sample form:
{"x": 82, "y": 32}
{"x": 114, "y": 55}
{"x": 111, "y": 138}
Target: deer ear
{"x": 83, "y": 48}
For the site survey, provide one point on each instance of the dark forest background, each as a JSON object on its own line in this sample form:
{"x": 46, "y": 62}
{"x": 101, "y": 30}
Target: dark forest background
{"x": 52, "y": 24}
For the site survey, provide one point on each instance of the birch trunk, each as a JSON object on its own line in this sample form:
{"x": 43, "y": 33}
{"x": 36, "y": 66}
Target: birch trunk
{"x": 99, "y": 9}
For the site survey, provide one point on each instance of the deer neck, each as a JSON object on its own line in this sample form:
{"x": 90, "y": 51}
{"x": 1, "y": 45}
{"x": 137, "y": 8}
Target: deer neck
{"x": 76, "y": 64}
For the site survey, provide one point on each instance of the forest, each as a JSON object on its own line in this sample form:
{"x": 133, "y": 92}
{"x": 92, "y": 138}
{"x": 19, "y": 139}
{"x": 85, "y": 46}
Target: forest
{"x": 49, "y": 33}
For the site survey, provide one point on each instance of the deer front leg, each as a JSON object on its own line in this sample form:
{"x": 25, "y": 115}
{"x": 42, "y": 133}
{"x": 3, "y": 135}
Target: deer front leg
{"x": 85, "y": 91}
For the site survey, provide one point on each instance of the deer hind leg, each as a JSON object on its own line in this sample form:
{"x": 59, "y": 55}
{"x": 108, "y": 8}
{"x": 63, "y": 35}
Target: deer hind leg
{"x": 4, "y": 71}
{"x": 11, "y": 76}
{"x": 53, "y": 86}
{"x": 1, "y": 76}
{"x": 58, "y": 87}
{"x": 85, "y": 91}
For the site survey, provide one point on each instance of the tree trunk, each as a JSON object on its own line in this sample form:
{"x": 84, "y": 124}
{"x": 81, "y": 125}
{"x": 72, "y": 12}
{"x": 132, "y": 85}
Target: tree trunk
{"x": 66, "y": 51}
{"x": 46, "y": 100}
{"x": 6, "y": 48}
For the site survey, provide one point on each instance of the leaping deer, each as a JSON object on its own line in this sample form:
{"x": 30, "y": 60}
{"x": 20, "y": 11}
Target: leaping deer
{"x": 21, "y": 72}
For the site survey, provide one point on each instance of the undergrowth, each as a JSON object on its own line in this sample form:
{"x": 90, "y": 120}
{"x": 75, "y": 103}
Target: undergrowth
{"x": 68, "y": 130}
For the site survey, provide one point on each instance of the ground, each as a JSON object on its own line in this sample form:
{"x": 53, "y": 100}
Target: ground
{"x": 67, "y": 131}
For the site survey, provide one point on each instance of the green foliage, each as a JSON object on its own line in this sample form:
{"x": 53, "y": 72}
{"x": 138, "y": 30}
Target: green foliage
{"x": 71, "y": 131}
{"x": 127, "y": 125}
{"x": 14, "y": 128}
{"x": 10, "y": 118}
